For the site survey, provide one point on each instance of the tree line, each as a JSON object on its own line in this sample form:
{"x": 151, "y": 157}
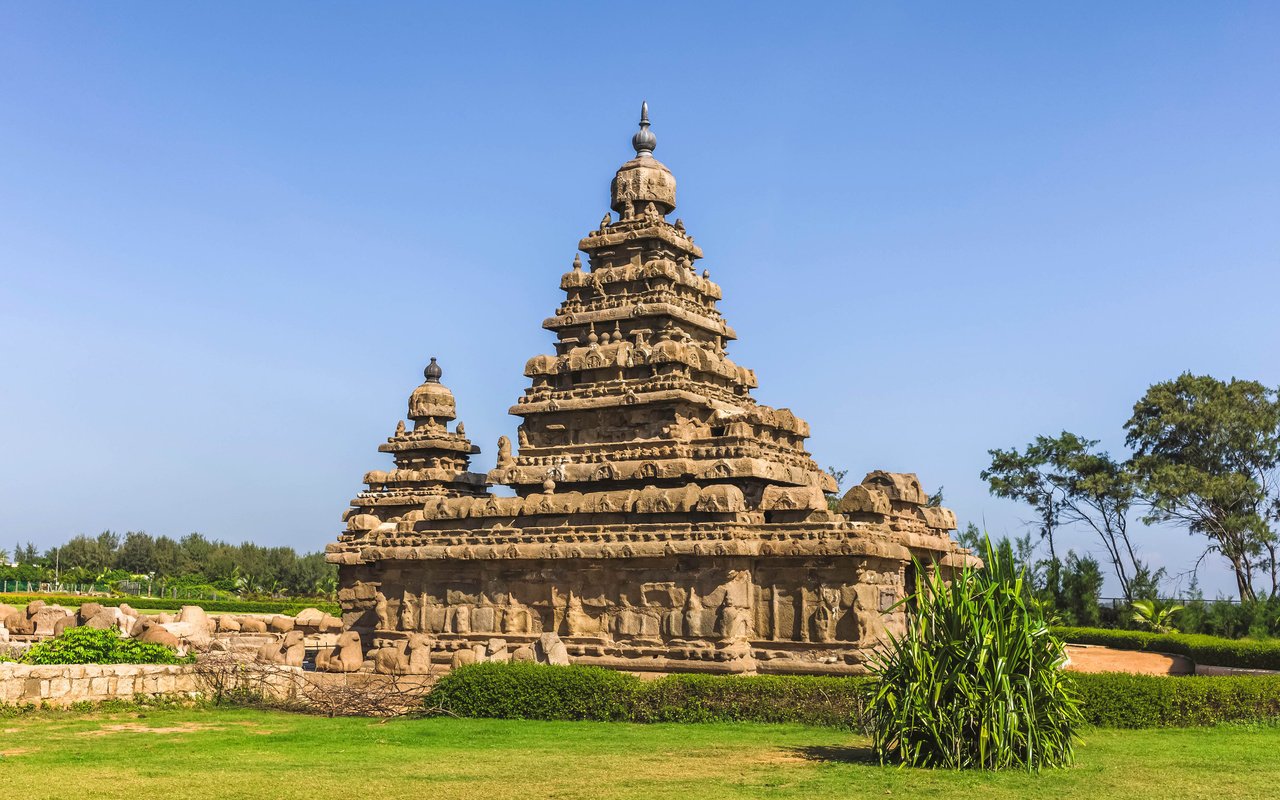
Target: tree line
{"x": 191, "y": 562}
{"x": 1203, "y": 457}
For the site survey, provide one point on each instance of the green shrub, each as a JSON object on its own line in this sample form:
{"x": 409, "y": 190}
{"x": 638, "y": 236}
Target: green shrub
{"x": 537, "y": 691}
{"x": 1202, "y": 649}
{"x": 533, "y": 691}
{"x": 1117, "y": 700}
{"x": 810, "y": 700}
{"x": 977, "y": 680}
{"x": 97, "y": 646}
{"x": 290, "y": 607}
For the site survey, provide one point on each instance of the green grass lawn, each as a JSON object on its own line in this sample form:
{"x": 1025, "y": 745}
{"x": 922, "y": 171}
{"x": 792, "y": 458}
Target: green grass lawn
{"x": 253, "y": 754}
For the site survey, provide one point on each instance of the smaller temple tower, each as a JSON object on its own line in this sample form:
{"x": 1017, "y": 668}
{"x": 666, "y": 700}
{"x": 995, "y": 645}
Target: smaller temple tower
{"x": 432, "y": 462}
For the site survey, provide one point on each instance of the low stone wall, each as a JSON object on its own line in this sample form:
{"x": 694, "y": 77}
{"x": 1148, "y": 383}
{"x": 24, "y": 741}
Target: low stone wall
{"x": 63, "y": 685}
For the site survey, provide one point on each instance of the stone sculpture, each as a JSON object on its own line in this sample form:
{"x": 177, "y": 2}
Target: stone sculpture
{"x": 662, "y": 518}
{"x": 346, "y": 656}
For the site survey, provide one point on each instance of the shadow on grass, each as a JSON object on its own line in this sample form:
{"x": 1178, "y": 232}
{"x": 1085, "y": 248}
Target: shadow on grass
{"x": 843, "y": 755}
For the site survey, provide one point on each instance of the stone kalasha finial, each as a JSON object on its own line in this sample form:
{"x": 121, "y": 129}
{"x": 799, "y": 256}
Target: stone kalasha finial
{"x": 643, "y": 179}
{"x": 433, "y": 372}
{"x": 644, "y": 141}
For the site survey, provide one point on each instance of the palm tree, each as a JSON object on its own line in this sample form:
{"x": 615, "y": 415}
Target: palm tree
{"x": 1155, "y": 615}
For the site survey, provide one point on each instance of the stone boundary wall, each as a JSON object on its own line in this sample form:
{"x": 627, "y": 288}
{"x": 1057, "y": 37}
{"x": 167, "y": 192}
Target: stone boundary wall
{"x": 64, "y": 684}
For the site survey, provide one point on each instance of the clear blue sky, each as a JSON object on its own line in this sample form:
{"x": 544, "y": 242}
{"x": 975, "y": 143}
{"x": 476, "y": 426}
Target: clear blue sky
{"x": 231, "y": 235}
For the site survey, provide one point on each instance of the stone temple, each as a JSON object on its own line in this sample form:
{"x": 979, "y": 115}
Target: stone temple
{"x": 663, "y": 520}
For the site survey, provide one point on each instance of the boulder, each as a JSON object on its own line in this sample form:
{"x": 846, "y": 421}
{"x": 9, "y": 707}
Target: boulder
{"x": 252, "y": 625}
{"x": 280, "y": 624}
{"x": 46, "y": 617}
{"x": 62, "y": 624}
{"x": 88, "y": 611}
{"x": 228, "y": 624}
{"x": 330, "y": 625}
{"x": 194, "y": 633}
{"x": 309, "y": 618}
{"x": 127, "y": 610}
{"x": 156, "y": 634}
{"x": 11, "y": 617}
{"x": 196, "y": 616}
{"x": 523, "y": 654}
{"x": 104, "y": 619}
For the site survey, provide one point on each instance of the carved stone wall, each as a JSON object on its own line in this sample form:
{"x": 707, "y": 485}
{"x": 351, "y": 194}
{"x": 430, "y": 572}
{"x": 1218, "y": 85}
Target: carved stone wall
{"x": 718, "y": 613}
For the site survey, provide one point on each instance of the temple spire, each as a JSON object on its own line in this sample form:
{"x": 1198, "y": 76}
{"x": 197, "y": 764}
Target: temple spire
{"x": 644, "y": 141}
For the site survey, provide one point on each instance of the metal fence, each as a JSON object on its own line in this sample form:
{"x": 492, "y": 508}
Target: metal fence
{"x": 134, "y": 588}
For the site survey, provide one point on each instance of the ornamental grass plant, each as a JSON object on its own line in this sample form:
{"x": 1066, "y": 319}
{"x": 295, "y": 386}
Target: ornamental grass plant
{"x": 976, "y": 682}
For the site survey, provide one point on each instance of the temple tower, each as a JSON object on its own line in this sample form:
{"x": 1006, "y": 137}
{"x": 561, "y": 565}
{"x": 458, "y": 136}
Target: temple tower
{"x": 431, "y": 461}
{"x": 662, "y": 518}
{"x": 640, "y": 390}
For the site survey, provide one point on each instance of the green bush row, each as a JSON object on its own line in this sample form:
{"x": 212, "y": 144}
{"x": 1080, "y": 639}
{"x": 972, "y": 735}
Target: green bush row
{"x": 1117, "y": 700}
{"x": 536, "y": 691}
{"x": 1202, "y": 649}
{"x": 145, "y": 603}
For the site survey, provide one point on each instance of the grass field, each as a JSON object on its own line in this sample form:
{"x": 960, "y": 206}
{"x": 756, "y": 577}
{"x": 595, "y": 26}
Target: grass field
{"x": 251, "y": 754}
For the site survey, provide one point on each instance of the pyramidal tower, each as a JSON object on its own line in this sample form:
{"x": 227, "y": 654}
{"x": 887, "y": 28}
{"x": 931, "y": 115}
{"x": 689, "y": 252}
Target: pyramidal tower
{"x": 662, "y": 519}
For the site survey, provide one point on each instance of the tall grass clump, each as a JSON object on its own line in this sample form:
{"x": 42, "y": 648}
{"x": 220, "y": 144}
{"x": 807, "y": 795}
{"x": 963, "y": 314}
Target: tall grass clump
{"x": 977, "y": 679}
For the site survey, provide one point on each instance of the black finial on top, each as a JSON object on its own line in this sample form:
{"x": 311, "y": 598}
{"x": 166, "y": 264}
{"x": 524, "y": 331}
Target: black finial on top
{"x": 644, "y": 141}
{"x": 433, "y": 372}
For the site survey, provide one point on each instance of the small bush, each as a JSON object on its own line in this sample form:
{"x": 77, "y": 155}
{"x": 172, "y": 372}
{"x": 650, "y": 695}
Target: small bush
{"x": 1202, "y": 649}
{"x": 809, "y": 700}
{"x": 537, "y": 691}
{"x": 97, "y": 646}
{"x": 1116, "y": 700}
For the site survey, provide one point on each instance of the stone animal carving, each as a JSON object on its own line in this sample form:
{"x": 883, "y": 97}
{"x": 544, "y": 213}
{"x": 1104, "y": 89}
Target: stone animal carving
{"x": 346, "y": 656}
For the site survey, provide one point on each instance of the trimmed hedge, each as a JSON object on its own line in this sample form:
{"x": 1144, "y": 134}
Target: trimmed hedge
{"x": 537, "y": 691}
{"x": 1200, "y": 648}
{"x": 1117, "y": 700}
{"x": 144, "y": 603}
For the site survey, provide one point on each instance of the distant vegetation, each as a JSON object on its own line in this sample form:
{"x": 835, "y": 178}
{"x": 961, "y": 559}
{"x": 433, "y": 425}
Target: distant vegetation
{"x": 1205, "y": 458}
{"x": 138, "y": 563}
